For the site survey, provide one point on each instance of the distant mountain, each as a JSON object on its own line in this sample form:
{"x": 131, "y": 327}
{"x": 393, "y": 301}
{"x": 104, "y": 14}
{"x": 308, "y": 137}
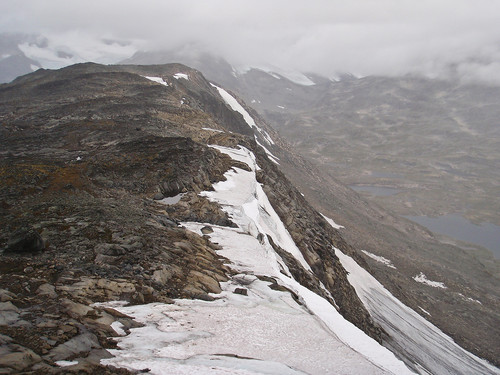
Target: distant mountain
{"x": 13, "y": 62}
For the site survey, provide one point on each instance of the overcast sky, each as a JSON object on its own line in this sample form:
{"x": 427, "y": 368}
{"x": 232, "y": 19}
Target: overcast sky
{"x": 365, "y": 37}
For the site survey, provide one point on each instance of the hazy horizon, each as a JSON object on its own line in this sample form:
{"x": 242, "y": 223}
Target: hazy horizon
{"x": 436, "y": 39}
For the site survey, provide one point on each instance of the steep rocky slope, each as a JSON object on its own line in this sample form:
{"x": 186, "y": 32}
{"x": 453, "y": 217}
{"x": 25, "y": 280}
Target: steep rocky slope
{"x": 89, "y": 155}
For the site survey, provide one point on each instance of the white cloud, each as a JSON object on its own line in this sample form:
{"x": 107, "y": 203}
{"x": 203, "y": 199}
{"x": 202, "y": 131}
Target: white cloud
{"x": 364, "y": 36}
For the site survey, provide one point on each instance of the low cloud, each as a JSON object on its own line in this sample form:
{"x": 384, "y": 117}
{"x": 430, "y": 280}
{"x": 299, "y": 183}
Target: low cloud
{"x": 386, "y": 37}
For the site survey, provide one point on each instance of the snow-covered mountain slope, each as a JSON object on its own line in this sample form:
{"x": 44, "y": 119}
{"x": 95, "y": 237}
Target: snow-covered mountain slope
{"x": 262, "y": 331}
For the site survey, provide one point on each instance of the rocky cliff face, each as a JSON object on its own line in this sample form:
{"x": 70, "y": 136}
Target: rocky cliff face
{"x": 99, "y": 165}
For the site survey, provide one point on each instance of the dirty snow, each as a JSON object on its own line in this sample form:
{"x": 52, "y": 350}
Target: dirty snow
{"x": 331, "y": 222}
{"x": 427, "y": 346}
{"x": 157, "y": 80}
{"x": 235, "y": 106}
{"x": 181, "y": 75}
{"x": 421, "y": 278}
{"x": 379, "y": 259}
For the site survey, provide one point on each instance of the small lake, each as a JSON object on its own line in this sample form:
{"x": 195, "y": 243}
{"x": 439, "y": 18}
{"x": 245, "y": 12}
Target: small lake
{"x": 452, "y": 225}
{"x": 379, "y": 191}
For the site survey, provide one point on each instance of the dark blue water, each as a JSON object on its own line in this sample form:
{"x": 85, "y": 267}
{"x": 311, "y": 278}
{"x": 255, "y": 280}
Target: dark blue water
{"x": 486, "y": 234}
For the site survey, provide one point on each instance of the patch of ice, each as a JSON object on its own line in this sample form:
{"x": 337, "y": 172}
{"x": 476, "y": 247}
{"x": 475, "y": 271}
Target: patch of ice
{"x": 331, "y": 222}
{"x": 235, "y": 106}
{"x": 66, "y": 363}
{"x": 118, "y": 327}
{"x": 421, "y": 278}
{"x": 157, "y": 80}
{"x": 181, "y": 75}
{"x": 379, "y": 259}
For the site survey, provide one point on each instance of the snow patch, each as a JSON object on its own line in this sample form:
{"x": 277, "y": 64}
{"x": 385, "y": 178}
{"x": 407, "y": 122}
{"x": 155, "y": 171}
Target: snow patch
{"x": 235, "y": 106}
{"x": 280, "y": 106}
{"x": 421, "y": 278}
{"x": 171, "y": 200}
{"x": 291, "y": 75}
{"x": 330, "y": 221}
{"x": 379, "y": 259}
{"x": 273, "y": 158}
{"x": 181, "y": 75}
{"x": 34, "y": 67}
{"x": 66, "y": 363}
{"x": 157, "y": 80}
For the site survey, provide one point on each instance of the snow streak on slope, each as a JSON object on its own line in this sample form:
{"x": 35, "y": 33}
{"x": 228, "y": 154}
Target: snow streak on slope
{"x": 291, "y": 75}
{"x": 424, "y": 343}
{"x": 235, "y": 106}
{"x": 379, "y": 259}
{"x": 332, "y": 223}
{"x": 421, "y": 278}
{"x": 181, "y": 75}
{"x": 157, "y": 80}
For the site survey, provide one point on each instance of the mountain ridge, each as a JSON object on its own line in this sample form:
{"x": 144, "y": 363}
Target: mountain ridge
{"x": 105, "y": 142}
